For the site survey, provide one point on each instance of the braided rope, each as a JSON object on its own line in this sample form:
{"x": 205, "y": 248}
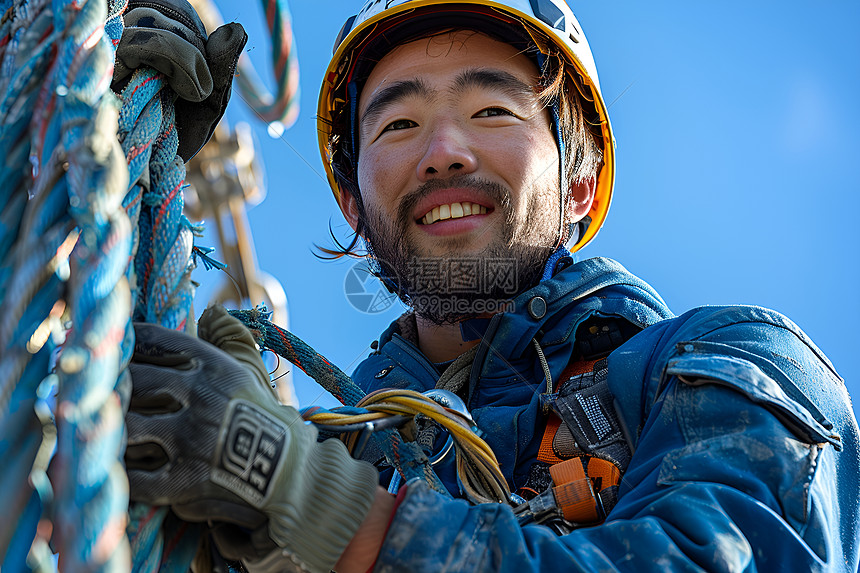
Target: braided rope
{"x": 57, "y": 112}
{"x": 72, "y": 222}
{"x": 282, "y": 107}
{"x": 294, "y": 349}
{"x": 91, "y": 487}
{"x": 162, "y": 265}
{"x": 25, "y": 291}
{"x": 159, "y": 278}
{"x": 69, "y": 227}
{"x": 61, "y": 121}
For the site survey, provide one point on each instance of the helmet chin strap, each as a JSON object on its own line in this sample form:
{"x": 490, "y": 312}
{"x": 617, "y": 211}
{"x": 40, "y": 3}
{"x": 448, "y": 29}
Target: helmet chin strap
{"x": 556, "y": 127}
{"x": 563, "y": 236}
{"x": 352, "y": 90}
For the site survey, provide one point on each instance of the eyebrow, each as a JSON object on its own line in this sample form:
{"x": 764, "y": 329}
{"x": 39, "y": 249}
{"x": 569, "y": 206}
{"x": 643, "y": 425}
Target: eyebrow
{"x": 489, "y": 79}
{"x": 498, "y": 80}
{"x": 394, "y": 93}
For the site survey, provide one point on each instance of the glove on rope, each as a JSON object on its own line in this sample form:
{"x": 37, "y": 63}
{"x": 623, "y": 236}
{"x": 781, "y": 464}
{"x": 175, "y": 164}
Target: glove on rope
{"x": 208, "y": 437}
{"x": 167, "y": 35}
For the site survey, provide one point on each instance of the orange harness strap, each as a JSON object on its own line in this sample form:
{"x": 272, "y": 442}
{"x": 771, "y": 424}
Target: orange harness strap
{"x": 578, "y": 483}
{"x": 547, "y": 453}
{"x": 577, "y": 480}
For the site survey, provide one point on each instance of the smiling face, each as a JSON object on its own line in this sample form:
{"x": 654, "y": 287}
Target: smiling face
{"x": 457, "y": 160}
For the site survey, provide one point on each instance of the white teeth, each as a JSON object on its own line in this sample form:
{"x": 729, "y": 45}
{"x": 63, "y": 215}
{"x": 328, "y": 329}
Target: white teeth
{"x": 453, "y": 211}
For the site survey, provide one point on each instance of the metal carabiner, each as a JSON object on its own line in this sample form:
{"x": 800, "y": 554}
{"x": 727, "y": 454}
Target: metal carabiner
{"x": 451, "y": 401}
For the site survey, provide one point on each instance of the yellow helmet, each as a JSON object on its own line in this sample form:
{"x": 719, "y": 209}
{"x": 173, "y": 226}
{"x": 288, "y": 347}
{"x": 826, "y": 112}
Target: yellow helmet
{"x": 546, "y": 22}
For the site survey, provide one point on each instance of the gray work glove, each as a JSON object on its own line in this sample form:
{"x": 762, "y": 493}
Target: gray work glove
{"x": 168, "y": 36}
{"x": 207, "y": 436}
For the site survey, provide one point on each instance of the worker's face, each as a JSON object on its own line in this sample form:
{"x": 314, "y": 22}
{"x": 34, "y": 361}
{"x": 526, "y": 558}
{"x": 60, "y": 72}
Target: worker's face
{"x": 457, "y": 161}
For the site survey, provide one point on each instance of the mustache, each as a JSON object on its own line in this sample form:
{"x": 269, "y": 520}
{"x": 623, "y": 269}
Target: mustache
{"x": 494, "y": 191}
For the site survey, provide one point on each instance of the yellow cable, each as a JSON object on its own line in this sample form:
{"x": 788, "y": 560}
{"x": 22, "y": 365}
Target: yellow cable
{"x": 476, "y": 463}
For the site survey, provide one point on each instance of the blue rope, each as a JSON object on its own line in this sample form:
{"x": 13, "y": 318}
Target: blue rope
{"x": 70, "y": 224}
{"x": 20, "y": 370}
{"x": 282, "y": 106}
{"x": 91, "y": 488}
{"x": 35, "y": 267}
{"x": 92, "y": 239}
{"x": 160, "y": 275}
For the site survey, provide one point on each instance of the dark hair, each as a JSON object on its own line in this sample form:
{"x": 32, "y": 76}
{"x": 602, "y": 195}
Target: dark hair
{"x": 582, "y": 160}
{"x": 583, "y": 155}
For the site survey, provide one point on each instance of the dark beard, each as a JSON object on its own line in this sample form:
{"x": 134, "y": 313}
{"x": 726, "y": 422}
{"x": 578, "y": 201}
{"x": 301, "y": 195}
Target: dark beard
{"x": 450, "y": 289}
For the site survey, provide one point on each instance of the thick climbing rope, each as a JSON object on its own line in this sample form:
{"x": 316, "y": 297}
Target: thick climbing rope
{"x": 72, "y": 222}
{"x": 165, "y": 238}
{"x": 65, "y": 260}
{"x": 28, "y": 289}
{"x": 87, "y": 239}
{"x": 160, "y": 276}
{"x": 163, "y": 242}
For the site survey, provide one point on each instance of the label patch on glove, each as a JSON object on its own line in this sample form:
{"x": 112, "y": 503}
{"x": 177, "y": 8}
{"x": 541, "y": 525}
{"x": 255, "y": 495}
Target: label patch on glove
{"x": 250, "y": 451}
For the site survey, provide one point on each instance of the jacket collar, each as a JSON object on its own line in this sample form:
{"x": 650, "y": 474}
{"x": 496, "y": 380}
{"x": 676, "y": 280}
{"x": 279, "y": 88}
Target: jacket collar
{"x": 576, "y": 286}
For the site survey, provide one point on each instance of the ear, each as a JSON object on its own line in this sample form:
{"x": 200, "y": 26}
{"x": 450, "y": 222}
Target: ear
{"x": 580, "y": 198}
{"x": 349, "y": 208}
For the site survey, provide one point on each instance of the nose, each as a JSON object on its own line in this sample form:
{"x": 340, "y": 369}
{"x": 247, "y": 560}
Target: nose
{"x": 447, "y": 154}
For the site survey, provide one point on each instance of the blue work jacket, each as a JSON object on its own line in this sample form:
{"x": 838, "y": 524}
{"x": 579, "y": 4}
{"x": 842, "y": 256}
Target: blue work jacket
{"x": 745, "y": 447}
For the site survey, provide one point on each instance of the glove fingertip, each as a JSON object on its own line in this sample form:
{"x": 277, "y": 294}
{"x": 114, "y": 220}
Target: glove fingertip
{"x": 193, "y": 80}
{"x": 228, "y": 40}
{"x": 207, "y": 324}
{"x": 120, "y": 71}
{"x": 220, "y": 328}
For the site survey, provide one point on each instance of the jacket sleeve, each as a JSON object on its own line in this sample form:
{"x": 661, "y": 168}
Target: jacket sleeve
{"x": 746, "y": 460}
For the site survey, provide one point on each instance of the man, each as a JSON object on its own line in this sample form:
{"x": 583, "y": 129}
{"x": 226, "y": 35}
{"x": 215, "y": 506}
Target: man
{"x": 473, "y": 141}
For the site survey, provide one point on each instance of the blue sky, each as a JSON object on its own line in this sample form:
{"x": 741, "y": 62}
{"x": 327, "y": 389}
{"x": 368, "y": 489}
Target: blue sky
{"x": 738, "y": 135}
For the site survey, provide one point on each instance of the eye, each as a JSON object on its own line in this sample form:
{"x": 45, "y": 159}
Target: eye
{"x": 494, "y": 112}
{"x": 399, "y": 124}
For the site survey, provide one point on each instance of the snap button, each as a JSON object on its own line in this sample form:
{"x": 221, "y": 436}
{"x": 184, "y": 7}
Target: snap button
{"x": 384, "y": 372}
{"x": 537, "y": 307}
